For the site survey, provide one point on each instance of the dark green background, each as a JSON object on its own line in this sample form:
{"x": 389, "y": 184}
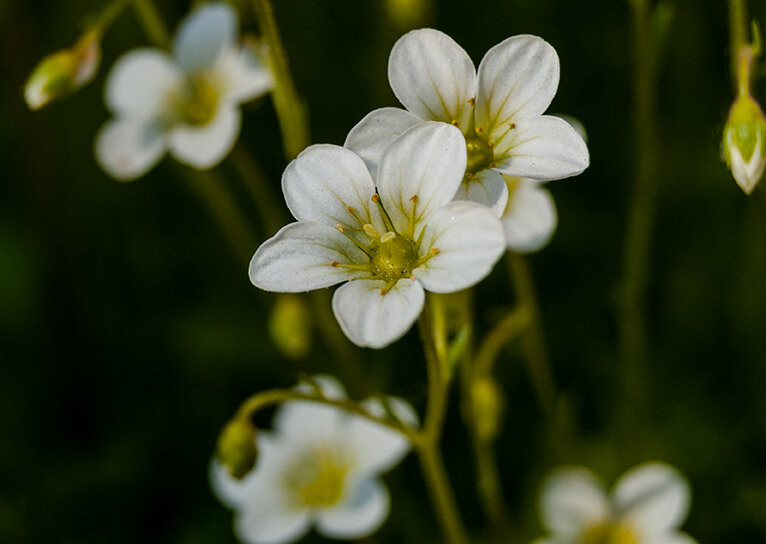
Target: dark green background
{"x": 129, "y": 331}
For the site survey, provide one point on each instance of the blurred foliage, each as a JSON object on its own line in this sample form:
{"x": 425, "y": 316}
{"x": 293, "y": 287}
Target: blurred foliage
{"x": 129, "y": 332}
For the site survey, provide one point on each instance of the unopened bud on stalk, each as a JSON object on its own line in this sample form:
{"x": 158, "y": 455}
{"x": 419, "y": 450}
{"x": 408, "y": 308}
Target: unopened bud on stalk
{"x": 744, "y": 142}
{"x": 63, "y": 72}
{"x": 487, "y": 404}
{"x": 236, "y": 449}
{"x": 290, "y": 326}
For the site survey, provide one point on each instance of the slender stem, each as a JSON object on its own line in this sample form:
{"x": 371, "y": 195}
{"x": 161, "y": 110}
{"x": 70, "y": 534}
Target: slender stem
{"x": 290, "y": 110}
{"x": 428, "y": 447}
{"x": 536, "y": 356}
{"x": 152, "y": 22}
{"x": 510, "y": 327}
{"x": 737, "y": 32}
{"x": 488, "y": 486}
{"x": 107, "y": 17}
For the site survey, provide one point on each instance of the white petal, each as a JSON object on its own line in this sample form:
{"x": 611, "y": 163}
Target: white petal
{"x": 128, "y": 148}
{"x": 469, "y": 239}
{"x": 323, "y": 181}
{"x": 360, "y": 515}
{"x": 373, "y": 320}
{"x": 309, "y": 423}
{"x": 244, "y": 75}
{"x": 544, "y": 148}
{"x": 300, "y": 256}
{"x": 205, "y": 146}
{"x": 517, "y": 80}
{"x": 329, "y": 386}
{"x": 371, "y": 136}
{"x": 432, "y": 76}
{"x": 205, "y": 35}
{"x": 530, "y": 218}
{"x": 653, "y": 497}
{"x": 488, "y": 188}
{"x": 572, "y": 500}
{"x": 141, "y": 82}
{"x": 375, "y": 447}
{"x": 268, "y": 517}
{"x": 428, "y": 161}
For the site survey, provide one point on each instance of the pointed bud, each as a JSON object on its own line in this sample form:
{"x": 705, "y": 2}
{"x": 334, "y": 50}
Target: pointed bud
{"x": 744, "y": 142}
{"x": 236, "y": 448}
{"x": 290, "y": 326}
{"x": 487, "y": 401}
{"x": 63, "y": 72}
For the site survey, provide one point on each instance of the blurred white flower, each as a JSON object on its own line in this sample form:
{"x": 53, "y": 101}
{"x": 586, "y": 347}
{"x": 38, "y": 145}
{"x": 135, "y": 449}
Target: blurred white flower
{"x": 498, "y": 110}
{"x": 647, "y": 505}
{"x": 388, "y": 245}
{"x": 318, "y": 466}
{"x": 530, "y": 218}
{"x": 187, "y": 103}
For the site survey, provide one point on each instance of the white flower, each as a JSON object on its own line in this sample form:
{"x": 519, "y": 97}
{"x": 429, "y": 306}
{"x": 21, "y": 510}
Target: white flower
{"x": 318, "y": 466}
{"x": 529, "y": 219}
{"x": 187, "y": 103}
{"x": 646, "y": 506}
{"x": 392, "y": 243}
{"x": 498, "y": 110}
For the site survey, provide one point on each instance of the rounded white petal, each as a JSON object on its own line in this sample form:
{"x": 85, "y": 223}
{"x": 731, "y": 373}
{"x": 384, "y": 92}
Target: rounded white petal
{"x": 308, "y": 424}
{"x": 141, "y": 82}
{"x": 371, "y": 136}
{"x": 530, "y": 218}
{"x": 432, "y": 76}
{"x": 543, "y": 149}
{"x": 300, "y": 256}
{"x": 323, "y": 181}
{"x": 329, "y": 386}
{"x": 427, "y": 162}
{"x": 127, "y": 149}
{"x": 488, "y": 188}
{"x": 374, "y": 320}
{"x": 205, "y": 146}
{"x": 653, "y": 497}
{"x": 517, "y": 80}
{"x": 205, "y": 35}
{"x": 469, "y": 240}
{"x": 572, "y": 500}
{"x": 244, "y": 76}
{"x": 360, "y": 515}
{"x": 375, "y": 447}
{"x": 268, "y": 518}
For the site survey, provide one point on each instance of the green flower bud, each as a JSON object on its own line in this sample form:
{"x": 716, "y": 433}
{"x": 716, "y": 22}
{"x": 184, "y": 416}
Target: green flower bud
{"x": 236, "y": 449}
{"x": 290, "y": 326}
{"x": 487, "y": 401}
{"x": 744, "y": 142}
{"x": 63, "y": 72}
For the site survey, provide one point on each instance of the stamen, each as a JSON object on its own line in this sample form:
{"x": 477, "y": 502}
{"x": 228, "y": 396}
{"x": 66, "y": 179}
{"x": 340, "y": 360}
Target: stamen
{"x": 364, "y": 267}
{"x": 479, "y": 130}
{"x": 431, "y": 254}
{"x": 387, "y": 236}
{"x": 491, "y": 145}
{"x": 492, "y": 164}
{"x": 388, "y": 287}
{"x": 453, "y": 122}
{"x": 414, "y": 200}
{"x": 364, "y": 248}
{"x": 352, "y": 211}
{"x": 468, "y": 175}
{"x": 511, "y": 126}
{"x": 386, "y": 219}
{"x": 336, "y": 264}
{"x": 472, "y": 101}
{"x": 370, "y": 231}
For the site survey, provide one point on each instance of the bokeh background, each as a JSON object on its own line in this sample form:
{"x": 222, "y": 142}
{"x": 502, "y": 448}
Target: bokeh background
{"x": 129, "y": 331}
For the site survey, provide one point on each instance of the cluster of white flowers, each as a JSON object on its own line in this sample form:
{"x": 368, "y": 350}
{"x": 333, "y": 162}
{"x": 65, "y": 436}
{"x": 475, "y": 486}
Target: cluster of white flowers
{"x": 646, "y": 506}
{"x": 187, "y": 103}
{"x": 319, "y": 466}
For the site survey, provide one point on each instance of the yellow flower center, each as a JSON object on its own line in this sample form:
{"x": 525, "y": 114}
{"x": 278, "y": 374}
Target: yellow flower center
{"x": 394, "y": 258}
{"x": 480, "y": 155}
{"x": 318, "y": 478}
{"x": 198, "y": 103}
{"x": 610, "y": 534}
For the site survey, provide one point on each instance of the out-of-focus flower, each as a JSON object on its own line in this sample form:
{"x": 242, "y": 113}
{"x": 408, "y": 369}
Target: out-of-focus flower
{"x": 63, "y": 72}
{"x": 498, "y": 109}
{"x": 744, "y": 142}
{"x": 647, "y": 505}
{"x": 388, "y": 245}
{"x": 187, "y": 103}
{"x": 318, "y": 466}
{"x": 290, "y": 326}
{"x": 529, "y": 219}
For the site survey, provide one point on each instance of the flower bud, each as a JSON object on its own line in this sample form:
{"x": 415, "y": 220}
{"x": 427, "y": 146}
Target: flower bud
{"x": 290, "y": 326}
{"x": 487, "y": 403}
{"x": 63, "y": 72}
{"x": 236, "y": 449}
{"x": 406, "y": 14}
{"x": 744, "y": 142}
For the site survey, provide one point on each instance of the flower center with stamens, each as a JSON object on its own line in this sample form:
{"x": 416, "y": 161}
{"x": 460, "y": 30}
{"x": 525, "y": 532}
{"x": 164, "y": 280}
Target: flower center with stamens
{"x": 609, "y": 534}
{"x": 394, "y": 257}
{"x": 318, "y": 479}
{"x": 198, "y": 103}
{"x": 480, "y": 155}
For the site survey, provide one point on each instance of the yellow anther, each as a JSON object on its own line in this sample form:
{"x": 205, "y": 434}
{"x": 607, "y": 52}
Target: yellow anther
{"x": 370, "y": 231}
{"x": 453, "y": 122}
{"x": 491, "y": 145}
{"x": 414, "y": 198}
{"x": 340, "y": 228}
{"x": 512, "y": 126}
{"x": 472, "y": 101}
{"x": 336, "y": 264}
{"x": 468, "y": 175}
{"x": 387, "y": 236}
{"x": 375, "y": 197}
{"x": 492, "y": 164}
{"x": 435, "y": 250}
{"x": 479, "y": 130}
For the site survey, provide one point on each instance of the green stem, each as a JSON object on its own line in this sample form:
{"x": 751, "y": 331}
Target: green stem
{"x": 737, "y": 33}
{"x": 152, "y": 22}
{"x": 428, "y": 447}
{"x": 536, "y": 356}
{"x": 290, "y": 110}
{"x": 488, "y": 486}
{"x": 510, "y": 327}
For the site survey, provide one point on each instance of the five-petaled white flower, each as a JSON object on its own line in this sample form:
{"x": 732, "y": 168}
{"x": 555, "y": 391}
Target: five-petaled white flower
{"x": 187, "y": 103}
{"x": 647, "y": 506}
{"x": 389, "y": 244}
{"x": 320, "y": 465}
{"x": 498, "y": 110}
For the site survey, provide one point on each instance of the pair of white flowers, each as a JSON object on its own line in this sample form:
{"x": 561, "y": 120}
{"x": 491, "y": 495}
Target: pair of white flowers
{"x": 186, "y": 103}
{"x": 647, "y": 505}
{"x": 412, "y": 201}
{"x": 318, "y": 466}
